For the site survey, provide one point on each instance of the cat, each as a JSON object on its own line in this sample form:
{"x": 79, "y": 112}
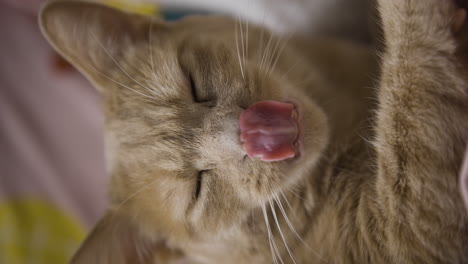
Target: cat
{"x": 227, "y": 144}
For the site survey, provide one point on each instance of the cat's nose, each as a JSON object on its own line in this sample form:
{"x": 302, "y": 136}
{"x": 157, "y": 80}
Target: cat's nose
{"x": 269, "y": 130}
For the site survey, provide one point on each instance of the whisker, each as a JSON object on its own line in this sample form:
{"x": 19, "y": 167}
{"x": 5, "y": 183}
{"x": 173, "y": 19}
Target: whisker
{"x": 287, "y": 202}
{"x": 262, "y": 32}
{"x": 242, "y": 41}
{"x": 118, "y": 65}
{"x": 122, "y": 85}
{"x": 294, "y": 193}
{"x": 283, "y": 46}
{"x": 284, "y": 75}
{"x": 150, "y": 37}
{"x": 272, "y": 56}
{"x": 238, "y": 52}
{"x": 283, "y": 212}
{"x": 273, "y": 211}
{"x": 280, "y": 205}
{"x": 136, "y": 193}
{"x": 273, "y": 248}
{"x": 246, "y": 38}
{"x": 285, "y": 39}
{"x": 266, "y": 52}
{"x": 269, "y": 185}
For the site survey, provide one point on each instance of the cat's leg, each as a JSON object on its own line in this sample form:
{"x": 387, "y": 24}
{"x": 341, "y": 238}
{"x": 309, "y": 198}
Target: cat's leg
{"x": 422, "y": 127}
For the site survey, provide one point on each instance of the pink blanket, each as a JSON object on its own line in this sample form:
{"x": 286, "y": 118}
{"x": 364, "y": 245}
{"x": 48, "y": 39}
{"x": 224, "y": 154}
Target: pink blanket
{"x": 52, "y": 178}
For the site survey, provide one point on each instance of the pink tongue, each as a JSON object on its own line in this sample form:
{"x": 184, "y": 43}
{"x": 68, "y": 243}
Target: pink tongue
{"x": 268, "y": 130}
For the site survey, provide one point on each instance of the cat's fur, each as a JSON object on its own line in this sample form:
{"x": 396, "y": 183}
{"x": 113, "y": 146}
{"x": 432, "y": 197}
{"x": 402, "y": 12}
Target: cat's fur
{"x": 376, "y": 181}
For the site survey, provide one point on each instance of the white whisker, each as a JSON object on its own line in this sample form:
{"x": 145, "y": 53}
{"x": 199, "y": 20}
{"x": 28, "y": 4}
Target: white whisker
{"x": 283, "y": 212}
{"x": 262, "y": 32}
{"x": 246, "y": 38}
{"x": 274, "y": 250}
{"x": 287, "y": 202}
{"x": 285, "y": 42}
{"x": 238, "y": 52}
{"x": 272, "y": 59}
{"x": 272, "y": 56}
{"x": 123, "y": 85}
{"x": 294, "y": 193}
{"x": 273, "y": 211}
{"x": 242, "y": 42}
{"x": 136, "y": 193}
{"x": 150, "y": 37}
{"x": 118, "y": 65}
{"x": 266, "y": 52}
{"x": 284, "y": 75}
{"x": 280, "y": 205}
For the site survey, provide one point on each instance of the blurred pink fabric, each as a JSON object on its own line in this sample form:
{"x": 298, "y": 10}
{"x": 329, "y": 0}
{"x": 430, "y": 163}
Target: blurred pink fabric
{"x": 51, "y": 138}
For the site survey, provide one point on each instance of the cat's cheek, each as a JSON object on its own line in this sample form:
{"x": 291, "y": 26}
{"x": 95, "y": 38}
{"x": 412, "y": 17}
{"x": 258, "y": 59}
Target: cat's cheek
{"x": 179, "y": 198}
{"x": 315, "y": 131}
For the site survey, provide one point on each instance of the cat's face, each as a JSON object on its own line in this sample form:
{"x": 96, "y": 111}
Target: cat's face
{"x": 183, "y": 140}
{"x": 173, "y": 97}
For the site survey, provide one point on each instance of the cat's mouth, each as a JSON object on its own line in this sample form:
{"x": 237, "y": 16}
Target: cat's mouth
{"x": 271, "y": 131}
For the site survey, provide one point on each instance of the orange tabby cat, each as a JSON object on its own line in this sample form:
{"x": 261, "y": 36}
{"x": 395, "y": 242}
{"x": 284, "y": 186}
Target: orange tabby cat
{"x": 228, "y": 145}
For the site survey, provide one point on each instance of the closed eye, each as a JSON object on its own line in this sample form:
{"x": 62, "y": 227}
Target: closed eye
{"x": 193, "y": 89}
{"x": 197, "y": 98}
{"x": 199, "y": 184}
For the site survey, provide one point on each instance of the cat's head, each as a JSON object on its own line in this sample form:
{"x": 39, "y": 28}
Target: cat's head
{"x": 173, "y": 95}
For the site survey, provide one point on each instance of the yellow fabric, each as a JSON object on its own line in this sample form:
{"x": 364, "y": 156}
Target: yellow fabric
{"x": 33, "y": 231}
{"x": 139, "y": 7}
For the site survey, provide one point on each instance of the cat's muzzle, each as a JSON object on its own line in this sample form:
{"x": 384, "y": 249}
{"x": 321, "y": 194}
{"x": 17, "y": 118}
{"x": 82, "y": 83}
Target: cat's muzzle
{"x": 270, "y": 130}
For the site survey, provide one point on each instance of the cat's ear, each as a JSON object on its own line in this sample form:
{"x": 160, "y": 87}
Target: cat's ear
{"x": 115, "y": 239}
{"x": 92, "y": 36}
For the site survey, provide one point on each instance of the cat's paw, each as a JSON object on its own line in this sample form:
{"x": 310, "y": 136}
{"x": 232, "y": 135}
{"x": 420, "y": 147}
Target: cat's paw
{"x": 431, "y": 23}
{"x": 433, "y": 11}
